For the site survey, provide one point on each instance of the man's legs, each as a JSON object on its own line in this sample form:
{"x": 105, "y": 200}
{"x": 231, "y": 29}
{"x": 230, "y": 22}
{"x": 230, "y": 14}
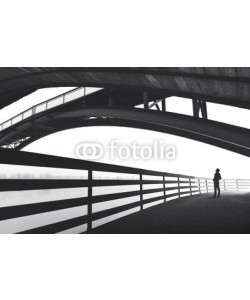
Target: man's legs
{"x": 215, "y": 188}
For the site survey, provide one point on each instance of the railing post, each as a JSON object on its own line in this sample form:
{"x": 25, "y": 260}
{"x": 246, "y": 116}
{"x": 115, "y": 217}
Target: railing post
{"x": 190, "y": 186}
{"x": 90, "y": 178}
{"x": 141, "y": 193}
{"x": 179, "y": 190}
{"x": 164, "y": 188}
{"x": 199, "y": 184}
{"x": 237, "y": 184}
{"x": 206, "y": 186}
{"x": 224, "y": 181}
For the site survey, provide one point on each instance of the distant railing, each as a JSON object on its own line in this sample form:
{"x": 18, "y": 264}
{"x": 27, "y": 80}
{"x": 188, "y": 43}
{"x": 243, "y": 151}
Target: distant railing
{"x": 104, "y": 194}
{"x": 48, "y": 104}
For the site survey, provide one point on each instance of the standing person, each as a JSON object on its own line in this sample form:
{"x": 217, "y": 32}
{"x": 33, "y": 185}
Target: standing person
{"x": 217, "y": 178}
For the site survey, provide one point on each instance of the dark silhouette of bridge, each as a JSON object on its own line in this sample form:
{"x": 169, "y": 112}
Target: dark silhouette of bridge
{"x": 126, "y": 98}
{"x": 115, "y": 104}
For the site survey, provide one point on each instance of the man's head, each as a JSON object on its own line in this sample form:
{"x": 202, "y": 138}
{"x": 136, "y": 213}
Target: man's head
{"x": 217, "y": 170}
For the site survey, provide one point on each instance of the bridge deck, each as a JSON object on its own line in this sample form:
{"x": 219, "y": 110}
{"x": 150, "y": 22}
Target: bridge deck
{"x": 196, "y": 214}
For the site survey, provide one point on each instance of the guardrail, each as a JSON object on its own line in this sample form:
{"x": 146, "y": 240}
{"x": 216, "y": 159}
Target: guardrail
{"x": 106, "y": 193}
{"x": 48, "y": 104}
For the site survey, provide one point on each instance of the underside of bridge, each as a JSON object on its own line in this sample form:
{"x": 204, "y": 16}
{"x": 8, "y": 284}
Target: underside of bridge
{"x": 230, "y": 86}
{"x": 123, "y": 90}
{"x": 127, "y": 97}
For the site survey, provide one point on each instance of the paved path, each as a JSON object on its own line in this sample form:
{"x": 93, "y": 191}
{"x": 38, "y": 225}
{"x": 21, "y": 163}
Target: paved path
{"x": 196, "y": 214}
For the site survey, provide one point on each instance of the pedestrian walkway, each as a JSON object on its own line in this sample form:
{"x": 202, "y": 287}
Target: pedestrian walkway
{"x": 195, "y": 214}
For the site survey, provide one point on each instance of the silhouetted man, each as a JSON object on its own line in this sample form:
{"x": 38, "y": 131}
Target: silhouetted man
{"x": 217, "y": 178}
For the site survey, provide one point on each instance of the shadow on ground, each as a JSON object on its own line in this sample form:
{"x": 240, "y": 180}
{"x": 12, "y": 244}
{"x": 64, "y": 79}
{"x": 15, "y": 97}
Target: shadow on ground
{"x": 196, "y": 214}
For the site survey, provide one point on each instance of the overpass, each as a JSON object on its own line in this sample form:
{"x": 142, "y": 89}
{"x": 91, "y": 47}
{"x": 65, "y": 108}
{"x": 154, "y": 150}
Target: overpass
{"x": 229, "y": 86}
{"x": 129, "y": 97}
{"x": 114, "y": 106}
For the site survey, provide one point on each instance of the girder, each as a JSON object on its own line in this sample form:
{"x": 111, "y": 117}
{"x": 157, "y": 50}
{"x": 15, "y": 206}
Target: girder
{"x": 233, "y": 138}
{"x": 125, "y": 88}
{"x": 229, "y": 86}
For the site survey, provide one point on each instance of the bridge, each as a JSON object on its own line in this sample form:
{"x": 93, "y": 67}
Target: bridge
{"x": 123, "y": 91}
{"x": 129, "y": 97}
{"x": 109, "y": 192}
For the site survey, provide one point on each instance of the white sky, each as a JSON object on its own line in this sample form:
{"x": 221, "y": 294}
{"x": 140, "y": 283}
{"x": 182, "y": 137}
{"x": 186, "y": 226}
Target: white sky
{"x": 193, "y": 158}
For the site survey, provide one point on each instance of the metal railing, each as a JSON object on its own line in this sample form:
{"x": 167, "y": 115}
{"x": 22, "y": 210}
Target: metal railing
{"x": 48, "y": 104}
{"x": 106, "y": 193}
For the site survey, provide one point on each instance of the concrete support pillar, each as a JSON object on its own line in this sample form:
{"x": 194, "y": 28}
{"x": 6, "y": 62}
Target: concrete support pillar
{"x": 200, "y": 106}
{"x": 163, "y": 104}
{"x": 145, "y": 100}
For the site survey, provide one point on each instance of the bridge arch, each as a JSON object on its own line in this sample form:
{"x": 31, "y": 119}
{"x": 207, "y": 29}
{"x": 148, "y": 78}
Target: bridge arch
{"x": 225, "y": 136}
{"x": 229, "y": 86}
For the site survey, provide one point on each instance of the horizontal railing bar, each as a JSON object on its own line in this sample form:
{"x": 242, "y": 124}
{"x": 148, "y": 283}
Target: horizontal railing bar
{"x": 57, "y": 227}
{"x": 171, "y": 181}
{"x": 17, "y": 211}
{"x": 184, "y": 187}
{"x": 44, "y": 102}
{"x": 238, "y": 179}
{"x": 172, "y": 195}
{"x": 147, "y": 201}
{"x": 112, "y": 211}
{"x": 176, "y": 188}
{"x": 181, "y": 182}
{"x": 12, "y": 157}
{"x": 116, "y": 182}
{"x": 117, "y": 196}
{"x": 115, "y": 210}
{"x": 37, "y": 184}
{"x": 171, "y": 188}
{"x": 242, "y": 187}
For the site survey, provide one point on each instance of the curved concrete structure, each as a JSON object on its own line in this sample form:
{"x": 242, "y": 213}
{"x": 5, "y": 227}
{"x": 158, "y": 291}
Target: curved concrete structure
{"x": 230, "y": 86}
{"x": 124, "y": 89}
{"x": 229, "y": 137}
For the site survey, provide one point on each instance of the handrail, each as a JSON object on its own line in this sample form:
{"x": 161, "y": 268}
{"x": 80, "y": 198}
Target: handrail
{"x": 117, "y": 192}
{"x": 45, "y": 105}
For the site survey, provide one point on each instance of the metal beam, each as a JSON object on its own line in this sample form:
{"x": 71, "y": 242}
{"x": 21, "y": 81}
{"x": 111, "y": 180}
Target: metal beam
{"x": 163, "y": 104}
{"x": 229, "y": 137}
{"x": 199, "y": 106}
{"x": 160, "y": 79}
{"x": 145, "y": 100}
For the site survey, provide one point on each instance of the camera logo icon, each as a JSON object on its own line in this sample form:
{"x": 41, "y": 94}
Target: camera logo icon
{"x": 89, "y": 151}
